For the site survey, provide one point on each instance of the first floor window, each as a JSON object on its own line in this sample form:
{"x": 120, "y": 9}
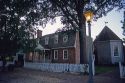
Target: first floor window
{"x": 55, "y": 54}
{"x": 116, "y": 51}
{"x": 65, "y": 54}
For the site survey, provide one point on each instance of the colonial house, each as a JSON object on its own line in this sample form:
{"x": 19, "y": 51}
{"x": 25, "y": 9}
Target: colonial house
{"x": 60, "y": 47}
{"x": 108, "y": 48}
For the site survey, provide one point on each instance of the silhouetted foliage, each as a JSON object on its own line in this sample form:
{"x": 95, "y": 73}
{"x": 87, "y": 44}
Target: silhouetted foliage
{"x": 71, "y": 13}
{"x": 70, "y": 10}
{"x": 19, "y": 18}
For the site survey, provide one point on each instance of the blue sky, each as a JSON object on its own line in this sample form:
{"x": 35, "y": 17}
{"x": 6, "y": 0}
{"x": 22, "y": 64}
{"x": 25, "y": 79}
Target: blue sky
{"x": 113, "y": 18}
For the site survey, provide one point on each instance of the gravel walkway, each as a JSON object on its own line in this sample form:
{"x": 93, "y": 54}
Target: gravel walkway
{"x": 35, "y": 76}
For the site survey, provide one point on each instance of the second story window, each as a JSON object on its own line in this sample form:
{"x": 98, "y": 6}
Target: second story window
{"x": 46, "y": 40}
{"x": 31, "y": 44}
{"x": 56, "y": 39}
{"x": 65, "y": 38}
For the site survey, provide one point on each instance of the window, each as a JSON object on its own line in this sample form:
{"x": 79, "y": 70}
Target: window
{"x": 46, "y": 40}
{"x": 31, "y": 44}
{"x": 56, "y": 39}
{"x": 65, "y": 38}
{"x": 116, "y": 51}
{"x": 55, "y": 54}
{"x": 65, "y": 54}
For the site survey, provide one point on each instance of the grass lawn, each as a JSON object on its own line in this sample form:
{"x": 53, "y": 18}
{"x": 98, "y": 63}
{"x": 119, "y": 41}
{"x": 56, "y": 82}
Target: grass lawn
{"x": 103, "y": 69}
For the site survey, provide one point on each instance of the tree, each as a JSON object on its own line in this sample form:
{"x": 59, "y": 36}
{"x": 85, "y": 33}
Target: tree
{"x": 71, "y": 13}
{"x": 19, "y": 17}
{"x": 17, "y": 21}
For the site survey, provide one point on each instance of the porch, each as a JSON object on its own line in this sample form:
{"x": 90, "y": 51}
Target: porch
{"x": 39, "y": 55}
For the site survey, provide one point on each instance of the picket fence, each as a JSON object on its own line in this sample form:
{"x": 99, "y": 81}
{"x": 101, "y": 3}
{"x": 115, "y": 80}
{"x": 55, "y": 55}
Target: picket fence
{"x": 56, "y": 67}
{"x": 122, "y": 70}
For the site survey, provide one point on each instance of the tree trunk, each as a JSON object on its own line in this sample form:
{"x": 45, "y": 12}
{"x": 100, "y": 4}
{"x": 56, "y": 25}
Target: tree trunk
{"x": 82, "y": 37}
{"x": 82, "y": 34}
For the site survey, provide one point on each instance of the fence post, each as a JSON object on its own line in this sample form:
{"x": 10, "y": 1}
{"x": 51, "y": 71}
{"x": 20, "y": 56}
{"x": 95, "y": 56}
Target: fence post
{"x": 93, "y": 65}
{"x": 121, "y": 69}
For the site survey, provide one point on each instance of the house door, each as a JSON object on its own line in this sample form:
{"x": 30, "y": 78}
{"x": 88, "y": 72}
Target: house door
{"x": 20, "y": 60}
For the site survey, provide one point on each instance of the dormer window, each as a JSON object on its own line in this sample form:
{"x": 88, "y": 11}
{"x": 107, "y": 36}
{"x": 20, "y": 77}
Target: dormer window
{"x": 46, "y": 40}
{"x": 31, "y": 44}
{"x": 65, "y": 38}
{"x": 56, "y": 39}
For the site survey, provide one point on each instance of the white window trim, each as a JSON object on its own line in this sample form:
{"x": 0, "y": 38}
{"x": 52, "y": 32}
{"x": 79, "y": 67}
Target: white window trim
{"x": 67, "y": 55}
{"x": 54, "y": 54}
{"x": 114, "y": 50}
{"x": 46, "y": 40}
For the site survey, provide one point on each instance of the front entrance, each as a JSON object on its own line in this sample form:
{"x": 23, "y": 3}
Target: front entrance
{"x": 20, "y": 59}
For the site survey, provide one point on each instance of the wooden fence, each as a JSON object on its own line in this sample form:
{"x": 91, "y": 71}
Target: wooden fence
{"x": 56, "y": 67}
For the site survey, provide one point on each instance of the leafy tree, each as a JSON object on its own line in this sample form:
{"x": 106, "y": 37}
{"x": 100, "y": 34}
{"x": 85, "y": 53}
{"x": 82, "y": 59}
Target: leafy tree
{"x": 17, "y": 18}
{"x": 71, "y": 13}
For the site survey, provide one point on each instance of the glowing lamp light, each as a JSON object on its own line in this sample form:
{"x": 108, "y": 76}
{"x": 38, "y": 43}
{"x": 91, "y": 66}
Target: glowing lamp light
{"x": 88, "y": 15}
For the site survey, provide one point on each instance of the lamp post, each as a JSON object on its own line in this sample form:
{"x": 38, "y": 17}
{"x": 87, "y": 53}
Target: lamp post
{"x": 89, "y": 15}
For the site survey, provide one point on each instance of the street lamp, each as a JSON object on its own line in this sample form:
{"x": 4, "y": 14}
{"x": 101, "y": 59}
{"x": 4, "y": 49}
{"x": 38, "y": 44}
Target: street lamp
{"x": 88, "y": 13}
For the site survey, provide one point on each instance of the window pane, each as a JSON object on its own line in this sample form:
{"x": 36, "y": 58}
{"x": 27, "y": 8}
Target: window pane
{"x": 65, "y": 38}
{"x": 46, "y": 40}
{"x": 116, "y": 51}
{"x": 56, "y": 54}
{"x": 65, "y": 55}
{"x": 56, "y": 39}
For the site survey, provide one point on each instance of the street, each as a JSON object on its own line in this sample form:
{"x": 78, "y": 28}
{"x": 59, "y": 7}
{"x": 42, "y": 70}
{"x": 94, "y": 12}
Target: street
{"x": 35, "y": 76}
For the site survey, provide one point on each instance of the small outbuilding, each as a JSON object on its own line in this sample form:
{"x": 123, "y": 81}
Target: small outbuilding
{"x": 108, "y": 48}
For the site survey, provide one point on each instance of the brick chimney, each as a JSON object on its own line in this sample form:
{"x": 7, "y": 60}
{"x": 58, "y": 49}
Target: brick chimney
{"x": 39, "y": 33}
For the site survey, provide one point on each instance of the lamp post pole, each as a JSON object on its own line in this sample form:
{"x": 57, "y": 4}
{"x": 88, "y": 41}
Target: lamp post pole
{"x": 88, "y": 13}
{"x": 90, "y": 54}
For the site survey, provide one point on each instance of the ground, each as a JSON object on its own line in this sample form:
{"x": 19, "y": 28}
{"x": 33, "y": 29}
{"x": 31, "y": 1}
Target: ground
{"x": 22, "y": 75}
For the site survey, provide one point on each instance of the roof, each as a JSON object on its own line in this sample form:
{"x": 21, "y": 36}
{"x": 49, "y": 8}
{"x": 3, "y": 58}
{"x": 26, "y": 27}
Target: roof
{"x": 39, "y": 47}
{"x": 51, "y": 44}
{"x": 107, "y": 34}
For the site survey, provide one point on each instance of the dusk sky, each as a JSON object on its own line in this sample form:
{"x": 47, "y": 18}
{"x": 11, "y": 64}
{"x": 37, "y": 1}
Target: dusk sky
{"x": 113, "y": 18}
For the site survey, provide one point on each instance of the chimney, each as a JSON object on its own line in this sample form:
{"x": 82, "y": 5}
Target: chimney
{"x": 39, "y": 33}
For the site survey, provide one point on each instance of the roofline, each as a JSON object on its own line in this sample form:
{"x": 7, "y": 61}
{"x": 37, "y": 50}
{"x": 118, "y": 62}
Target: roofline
{"x": 57, "y": 32}
{"x": 64, "y": 47}
{"x": 115, "y": 40}
{"x": 108, "y": 40}
{"x": 106, "y": 27}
